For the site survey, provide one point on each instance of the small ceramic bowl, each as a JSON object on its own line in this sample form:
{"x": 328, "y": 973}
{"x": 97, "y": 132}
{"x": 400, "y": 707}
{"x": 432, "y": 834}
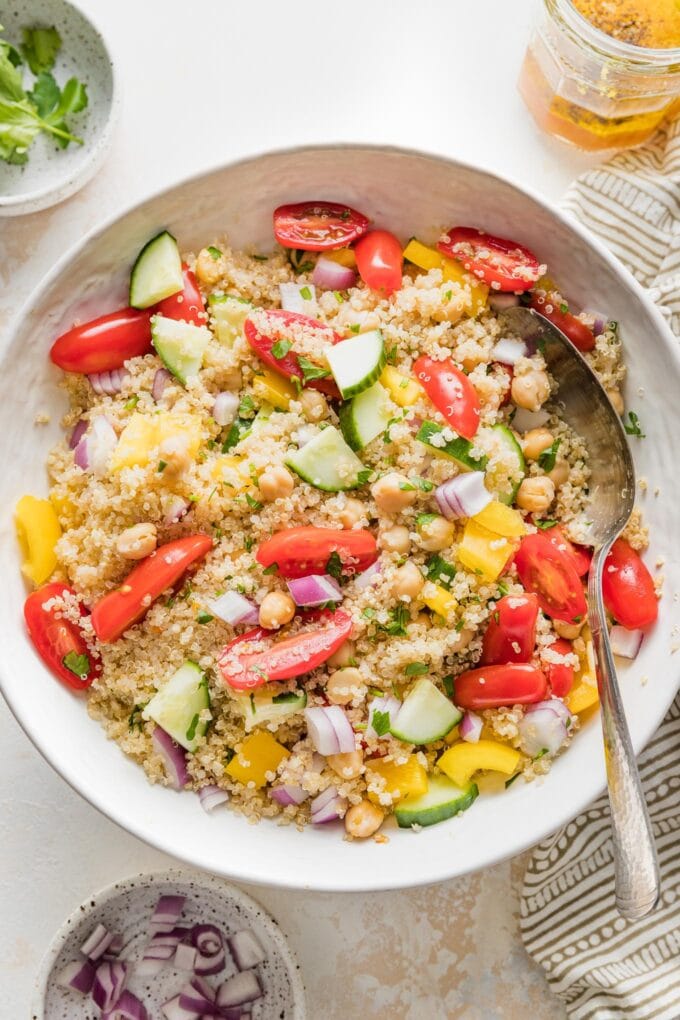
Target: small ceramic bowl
{"x": 126, "y": 907}
{"x": 53, "y": 174}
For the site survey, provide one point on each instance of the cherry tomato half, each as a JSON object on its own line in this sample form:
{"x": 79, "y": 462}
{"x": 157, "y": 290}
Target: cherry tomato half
{"x": 121, "y": 608}
{"x": 379, "y": 261}
{"x": 187, "y": 305}
{"x": 318, "y": 226}
{"x": 511, "y": 633}
{"x": 266, "y": 329}
{"x": 58, "y": 641}
{"x": 104, "y": 343}
{"x": 581, "y": 555}
{"x": 516, "y": 683}
{"x": 549, "y": 573}
{"x": 307, "y": 550}
{"x": 580, "y": 335}
{"x": 560, "y": 674}
{"x": 283, "y": 660}
{"x": 451, "y": 392}
{"x": 502, "y": 264}
{"x": 628, "y": 588}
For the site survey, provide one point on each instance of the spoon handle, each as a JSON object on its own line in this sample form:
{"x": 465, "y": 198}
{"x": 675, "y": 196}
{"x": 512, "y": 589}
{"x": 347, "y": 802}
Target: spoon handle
{"x": 635, "y": 862}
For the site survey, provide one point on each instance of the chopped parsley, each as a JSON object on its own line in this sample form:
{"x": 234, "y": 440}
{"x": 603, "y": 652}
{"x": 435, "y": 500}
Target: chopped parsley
{"x": 249, "y": 542}
{"x": 368, "y": 613}
{"x": 422, "y": 520}
{"x": 204, "y": 617}
{"x": 130, "y": 404}
{"x": 246, "y": 408}
{"x": 280, "y": 349}
{"x": 407, "y": 487}
{"x": 380, "y": 721}
{"x": 238, "y": 431}
{"x": 396, "y": 624}
{"x": 510, "y": 781}
{"x": 213, "y": 252}
{"x": 334, "y": 565}
{"x": 363, "y": 476}
{"x": 162, "y": 464}
{"x": 338, "y": 296}
{"x": 417, "y": 669}
{"x": 502, "y": 586}
{"x": 271, "y": 569}
{"x": 135, "y": 720}
{"x": 79, "y": 665}
{"x": 253, "y": 503}
{"x": 300, "y": 260}
{"x": 356, "y": 328}
{"x": 541, "y": 754}
{"x": 546, "y": 460}
{"x": 305, "y": 293}
{"x": 447, "y": 681}
{"x": 440, "y": 571}
{"x": 564, "y": 308}
{"x": 193, "y": 726}
{"x": 632, "y": 427}
{"x": 545, "y": 525}
{"x": 424, "y": 485}
{"x": 261, "y": 258}
{"x": 391, "y": 355}
{"x": 310, "y": 370}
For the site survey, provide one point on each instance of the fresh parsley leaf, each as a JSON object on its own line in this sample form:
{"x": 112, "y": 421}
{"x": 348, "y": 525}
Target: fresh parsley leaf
{"x": 356, "y": 328}
{"x": 338, "y": 296}
{"x": 363, "y": 476}
{"x": 248, "y": 543}
{"x": 239, "y": 430}
{"x": 447, "y": 681}
{"x": 502, "y": 586}
{"x": 440, "y": 571}
{"x": 45, "y": 94}
{"x": 633, "y": 428}
{"x": 424, "y": 485}
{"x": 214, "y": 252}
{"x": 135, "y": 720}
{"x": 380, "y": 721}
{"x": 300, "y": 260}
{"x": 422, "y": 520}
{"x": 564, "y": 308}
{"x": 162, "y": 464}
{"x": 246, "y": 407}
{"x": 271, "y": 569}
{"x": 253, "y": 503}
{"x": 546, "y": 460}
{"x": 396, "y": 625}
{"x": 130, "y": 404}
{"x": 417, "y": 669}
{"x": 280, "y": 349}
{"x": 368, "y": 613}
{"x": 193, "y": 725}
{"x": 79, "y": 665}
{"x": 39, "y": 47}
{"x": 407, "y": 487}
{"x": 545, "y": 525}
{"x": 204, "y": 617}
{"x": 334, "y": 565}
{"x": 310, "y": 370}
{"x": 305, "y": 293}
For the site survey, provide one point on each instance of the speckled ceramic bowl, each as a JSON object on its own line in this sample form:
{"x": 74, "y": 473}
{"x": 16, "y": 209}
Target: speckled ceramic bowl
{"x": 53, "y": 174}
{"x": 125, "y": 908}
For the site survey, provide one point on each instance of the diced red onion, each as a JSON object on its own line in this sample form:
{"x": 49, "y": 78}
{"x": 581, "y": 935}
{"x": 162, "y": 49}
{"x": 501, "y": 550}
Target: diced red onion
{"x": 98, "y": 942}
{"x": 78, "y": 975}
{"x": 197, "y": 995}
{"x": 225, "y": 407}
{"x": 234, "y": 608}
{"x": 499, "y": 302}
{"x": 388, "y": 703}
{"x": 167, "y": 913}
{"x": 185, "y": 957}
{"x": 246, "y": 949}
{"x": 128, "y": 1007}
{"x": 471, "y": 727}
{"x": 292, "y": 299}
{"x": 599, "y": 322}
{"x": 314, "y": 590}
{"x": 95, "y": 448}
{"x": 327, "y": 807}
{"x": 160, "y": 381}
{"x": 288, "y": 794}
{"x": 79, "y": 430}
{"x": 524, "y": 420}
{"x": 463, "y": 496}
{"x": 625, "y": 643}
{"x": 176, "y": 509}
{"x": 239, "y": 989}
{"x": 211, "y": 797}
{"x": 114, "y": 948}
{"x": 162, "y": 946}
{"x": 368, "y": 576}
{"x": 108, "y": 383}
{"x": 207, "y": 939}
{"x": 508, "y": 351}
{"x": 330, "y": 731}
{"x": 330, "y": 275}
{"x": 174, "y": 758}
{"x": 541, "y": 730}
{"x": 173, "y": 1011}
{"x": 109, "y": 983}
{"x": 555, "y": 705}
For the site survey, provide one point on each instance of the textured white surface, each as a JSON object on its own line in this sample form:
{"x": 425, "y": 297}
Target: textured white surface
{"x": 203, "y": 84}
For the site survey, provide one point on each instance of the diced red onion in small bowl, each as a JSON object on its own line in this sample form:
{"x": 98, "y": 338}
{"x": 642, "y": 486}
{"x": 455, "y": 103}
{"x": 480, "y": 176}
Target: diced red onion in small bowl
{"x": 524, "y": 420}
{"x": 387, "y": 704}
{"x": 470, "y": 727}
{"x": 327, "y": 807}
{"x": 463, "y": 496}
{"x": 197, "y": 995}
{"x": 172, "y": 1010}
{"x": 288, "y": 794}
{"x": 508, "y": 351}
{"x": 314, "y": 590}
{"x": 207, "y": 939}
{"x": 330, "y": 275}
{"x": 542, "y": 730}
{"x": 330, "y": 731}
{"x": 160, "y": 381}
{"x": 294, "y": 300}
{"x": 174, "y": 758}
{"x": 167, "y": 913}
{"x": 625, "y": 643}
{"x": 246, "y": 949}
{"x": 240, "y": 989}
{"x": 176, "y": 509}
{"x": 500, "y": 302}
{"x": 369, "y": 576}
{"x": 95, "y": 447}
{"x": 211, "y": 797}
{"x": 114, "y": 947}
{"x": 128, "y": 1007}
{"x": 109, "y": 983}
{"x": 97, "y": 943}
{"x": 234, "y": 608}
{"x": 78, "y": 975}
{"x": 225, "y": 407}
{"x": 185, "y": 957}
{"x": 79, "y": 430}
{"x": 108, "y": 383}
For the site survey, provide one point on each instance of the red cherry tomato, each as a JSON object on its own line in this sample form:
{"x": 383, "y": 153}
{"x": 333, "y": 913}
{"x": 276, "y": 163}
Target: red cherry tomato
{"x": 104, "y": 343}
{"x": 58, "y": 641}
{"x": 511, "y": 633}
{"x": 580, "y": 335}
{"x": 550, "y": 573}
{"x": 560, "y": 674}
{"x": 516, "y": 683}
{"x": 266, "y": 328}
{"x": 503, "y": 264}
{"x": 509, "y": 374}
{"x": 307, "y": 550}
{"x": 580, "y": 554}
{"x": 283, "y": 660}
{"x": 121, "y": 608}
{"x": 187, "y": 305}
{"x": 451, "y": 392}
{"x": 379, "y": 261}
{"x": 318, "y": 226}
{"x": 628, "y": 588}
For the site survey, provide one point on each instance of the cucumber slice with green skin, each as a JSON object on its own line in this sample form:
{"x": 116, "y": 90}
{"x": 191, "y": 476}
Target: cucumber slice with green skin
{"x": 179, "y": 345}
{"x": 157, "y": 273}
{"x": 443, "y": 800}
{"x": 228, "y": 313}
{"x": 357, "y": 363}
{"x": 504, "y": 481}
{"x": 366, "y": 416}
{"x": 455, "y": 448}
{"x": 328, "y": 463}
{"x": 178, "y": 705}
{"x": 258, "y": 711}
{"x": 426, "y": 715}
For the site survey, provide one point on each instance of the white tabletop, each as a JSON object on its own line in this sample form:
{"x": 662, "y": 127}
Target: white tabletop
{"x": 203, "y": 83}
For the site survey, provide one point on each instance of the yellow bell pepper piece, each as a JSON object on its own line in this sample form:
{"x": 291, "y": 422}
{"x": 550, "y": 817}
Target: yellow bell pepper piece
{"x": 274, "y": 389}
{"x": 406, "y": 780}
{"x": 438, "y": 599}
{"x": 38, "y": 531}
{"x": 501, "y": 519}
{"x": 343, "y": 256}
{"x": 405, "y": 392}
{"x": 232, "y": 471}
{"x": 462, "y": 760}
{"x": 144, "y": 433}
{"x": 429, "y": 258}
{"x": 259, "y": 755}
{"x": 584, "y": 693}
{"x": 484, "y": 551}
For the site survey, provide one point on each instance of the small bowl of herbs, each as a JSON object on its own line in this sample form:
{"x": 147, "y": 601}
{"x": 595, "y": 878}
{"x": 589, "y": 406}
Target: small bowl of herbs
{"x": 58, "y": 99}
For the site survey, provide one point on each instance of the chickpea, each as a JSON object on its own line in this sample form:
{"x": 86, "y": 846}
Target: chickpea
{"x": 559, "y": 474}
{"x": 314, "y": 405}
{"x": 408, "y": 582}
{"x": 391, "y": 494}
{"x": 207, "y": 268}
{"x": 616, "y": 400}
{"x": 464, "y": 638}
{"x": 137, "y": 542}
{"x": 570, "y": 631}
{"x": 277, "y": 608}
{"x": 395, "y": 540}
{"x": 436, "y": 534}
{"x": 530, "y": 390}
{"x": 535, "y": 442}
{"x": 343, "y": 685}
{"x": 174, "y": 452}
{"x": 536, "y": 494}
{"x": 343, "y": 656}
{"x": 347, "y": 766}
{"x": 363, "y": 819}
{"x": 275, "y": 483}
{"x": 351, "y": 513}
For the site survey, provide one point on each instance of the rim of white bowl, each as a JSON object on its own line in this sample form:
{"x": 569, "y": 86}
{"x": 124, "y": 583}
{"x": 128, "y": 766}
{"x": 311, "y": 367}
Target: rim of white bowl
{"x": 515, "y": 845}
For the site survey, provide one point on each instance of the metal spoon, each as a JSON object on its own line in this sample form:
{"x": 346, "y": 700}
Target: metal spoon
{"x": 587, "y": 409}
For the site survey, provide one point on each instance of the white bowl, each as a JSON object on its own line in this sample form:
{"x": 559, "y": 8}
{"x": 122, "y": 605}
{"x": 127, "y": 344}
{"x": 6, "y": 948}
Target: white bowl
{"x": 53, "y": 174}
{"x": 409, "y": 193}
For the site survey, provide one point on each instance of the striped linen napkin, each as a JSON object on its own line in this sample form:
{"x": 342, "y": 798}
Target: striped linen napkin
{"x": 601, "y": 966}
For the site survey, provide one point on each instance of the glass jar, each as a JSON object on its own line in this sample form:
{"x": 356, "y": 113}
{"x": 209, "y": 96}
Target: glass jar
{"x": 591, "y": 89}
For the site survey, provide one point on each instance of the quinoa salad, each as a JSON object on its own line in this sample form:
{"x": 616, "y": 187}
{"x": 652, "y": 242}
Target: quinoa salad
{"x": 315, "y": 538}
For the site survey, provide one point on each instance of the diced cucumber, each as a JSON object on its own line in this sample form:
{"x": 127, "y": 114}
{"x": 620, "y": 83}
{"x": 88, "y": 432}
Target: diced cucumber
{"x": 157, "y": 273}
{"x": 228, "y": 314}
{"x": 179, "y": 345}
{"x": 443, "y": 800}
{"x": 504, "y": 479}
{"x": 455, "y": 448}
{"x": 327, "y": 462}
{"x": 357, "y": 363}
{"x": 426, "y": 715}
{"x": 366, "y": 416}
{"x": 178, "y": 705}
{"x": 258, "y": 709}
